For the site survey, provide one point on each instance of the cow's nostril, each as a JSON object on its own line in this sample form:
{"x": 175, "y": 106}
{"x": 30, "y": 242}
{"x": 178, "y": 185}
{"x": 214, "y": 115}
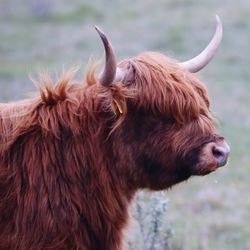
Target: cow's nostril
{"x": 221, "y": 154}
{"x": 217, "y": 152}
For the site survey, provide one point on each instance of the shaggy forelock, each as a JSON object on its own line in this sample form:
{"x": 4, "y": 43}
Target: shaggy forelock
{"x": 162, "y": 86}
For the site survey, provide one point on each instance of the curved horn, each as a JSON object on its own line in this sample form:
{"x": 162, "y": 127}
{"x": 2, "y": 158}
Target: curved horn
{"x": 109, "y": 72}
{"x": 197, "y": 63}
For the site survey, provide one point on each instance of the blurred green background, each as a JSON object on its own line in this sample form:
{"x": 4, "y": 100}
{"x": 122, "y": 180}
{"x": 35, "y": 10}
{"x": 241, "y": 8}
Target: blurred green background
{"x": 211, "y": 212}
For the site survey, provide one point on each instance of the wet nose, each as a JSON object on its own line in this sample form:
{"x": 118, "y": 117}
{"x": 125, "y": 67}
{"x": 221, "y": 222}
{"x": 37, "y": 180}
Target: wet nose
{"x": 221, "y": 153}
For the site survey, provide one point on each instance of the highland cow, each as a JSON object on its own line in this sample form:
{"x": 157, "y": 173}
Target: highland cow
{"x": 73, "y": 157}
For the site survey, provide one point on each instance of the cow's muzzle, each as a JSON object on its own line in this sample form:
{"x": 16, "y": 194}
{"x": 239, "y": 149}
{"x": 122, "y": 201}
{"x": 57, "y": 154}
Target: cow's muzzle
{"x": 220, "y": 151}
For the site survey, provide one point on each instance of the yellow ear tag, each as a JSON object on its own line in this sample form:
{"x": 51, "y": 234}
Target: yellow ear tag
{"x": 119, "y": 107}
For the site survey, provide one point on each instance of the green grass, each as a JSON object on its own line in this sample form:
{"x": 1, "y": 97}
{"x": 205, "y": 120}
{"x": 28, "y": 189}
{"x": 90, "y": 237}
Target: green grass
{"x": 209, "y": 212}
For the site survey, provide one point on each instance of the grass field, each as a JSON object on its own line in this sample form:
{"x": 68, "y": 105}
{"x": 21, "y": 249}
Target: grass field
{"x": 211, "y": 212}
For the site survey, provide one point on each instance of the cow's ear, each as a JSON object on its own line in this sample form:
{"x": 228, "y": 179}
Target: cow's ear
{"x": 128, "y": 74}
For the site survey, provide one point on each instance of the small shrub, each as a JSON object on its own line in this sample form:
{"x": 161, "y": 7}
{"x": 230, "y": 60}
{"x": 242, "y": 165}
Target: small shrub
{"x": 149, "y": 213}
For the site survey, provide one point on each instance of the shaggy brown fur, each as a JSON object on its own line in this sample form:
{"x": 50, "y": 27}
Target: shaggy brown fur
{"x": 70, "y": 163}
